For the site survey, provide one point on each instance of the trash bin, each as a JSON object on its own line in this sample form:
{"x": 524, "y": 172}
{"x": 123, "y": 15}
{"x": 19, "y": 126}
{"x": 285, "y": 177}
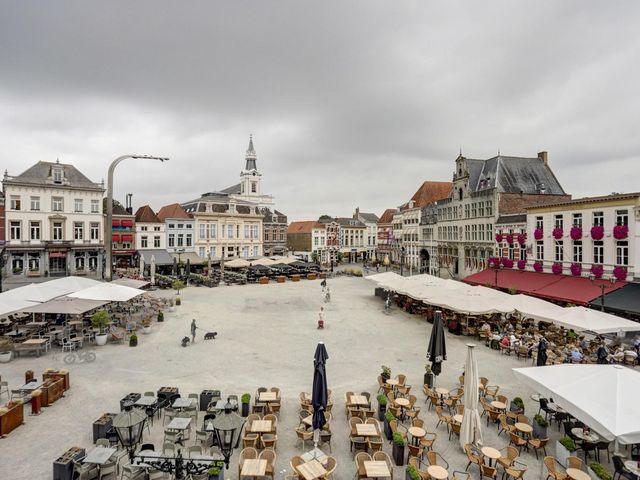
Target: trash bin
{"x": 28, "y": 376}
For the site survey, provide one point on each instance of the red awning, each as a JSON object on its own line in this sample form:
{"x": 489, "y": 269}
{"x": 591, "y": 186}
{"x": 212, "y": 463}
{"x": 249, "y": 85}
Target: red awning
{"x": 115, "y": 238}
{"x": 563, "y": 288}
{"x": 115, "y": 222}
{"x": 127, "y": 238}
{"x": 126, "y": 223}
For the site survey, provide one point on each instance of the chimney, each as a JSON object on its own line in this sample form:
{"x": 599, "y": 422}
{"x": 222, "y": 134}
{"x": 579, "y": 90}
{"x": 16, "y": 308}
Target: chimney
{"x": 544, "y": 157}
{"x": 129, "y": 203}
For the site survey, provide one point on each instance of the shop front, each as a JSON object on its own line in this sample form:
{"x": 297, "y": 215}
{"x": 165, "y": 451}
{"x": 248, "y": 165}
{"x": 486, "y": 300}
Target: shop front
{"x": 57, "y": 263}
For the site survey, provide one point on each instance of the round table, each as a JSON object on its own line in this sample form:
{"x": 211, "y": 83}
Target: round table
{"x": 438, "y": 472}
{"x": 576, "y": 474}
{"x": 524, "y": 427}
{"x": 442, "y": 391}
{"x": 632, "y": 466}
{"x": 393, "y": 382}
{"x": 498, "y": 405}
{"x": 491, "y": 453}
{"x": 457, "y": 418}
{"x": 402, "y": 402}
{"x": 417, "y": 433}
{"x": 591, "y": 437}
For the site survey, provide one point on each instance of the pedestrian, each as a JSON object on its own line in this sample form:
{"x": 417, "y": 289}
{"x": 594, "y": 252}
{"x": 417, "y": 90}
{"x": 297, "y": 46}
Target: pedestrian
{"x": 323, "y": 284}
{"x": 542, "y": 352}
{"x": 321, "y": 319}
{"x": 193, "y": 330}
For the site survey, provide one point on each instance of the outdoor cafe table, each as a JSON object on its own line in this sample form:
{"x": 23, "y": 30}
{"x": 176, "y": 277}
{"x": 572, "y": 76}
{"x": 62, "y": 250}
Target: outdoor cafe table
{"x": 576, "y": 474}
{"x": 366, "y": 430}
{"x": 36, "y": 324}
{"x": 498, "y": 405}
{"x": 417, "y": 433}
{"x": 633, "y": 467}
{"x": 30, "y": 386}
{"x": 376, "y": 469}
{"x": 146, "y": 401}
{"x": 437, "y": 472}
{"x": 359, "y": 400}
{"x": 491, "y": 453}
{"x": 442, "y": 391}
{"x": 457, "y": 418}
{"x": 311, "y": 470}
{"x": 590, "y": 437}
{"x": 393, "y": 382}
{"x": 252, "y": 467}
{"x": 268, "y": 397}
{"x": 182, "y": 402}
{"x": 179, "y": 423}
{"x": 260, "y": 426}
{"x": 524, "y": 428}
{"x": 315, "y": 454}
{"x": 41, "y": 343}
{"x": 99, "y": 455}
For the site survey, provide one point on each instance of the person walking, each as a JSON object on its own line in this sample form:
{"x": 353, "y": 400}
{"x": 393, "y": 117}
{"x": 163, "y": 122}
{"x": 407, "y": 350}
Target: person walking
{"x": 321, "y": 319}
{"x": 193, "y": 330}
{"x": 323, "y": 284}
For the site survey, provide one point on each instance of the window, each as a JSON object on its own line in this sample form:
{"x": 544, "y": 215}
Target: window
{"x": 229, "y": 231}
{"x": 126, "y": 245}
{"x": 144, "y": 243}
{"x": 254, "y": 187}
{"x": 172, "y": 225}
{"x": 598, "y": 219}
{"x": 57, "y": 231}
{"x": 17, "y": 263}
{"x": 34, "y": 230}
{"x": 80, "y": 261}
{"x": 512, "y": 252}
{"x": 77, "y": 205}
{"x": 15, "y": 202}
{"x": 489, "y": 208}
{"x": 172, "y": 239}
{"x": 558, "y": 221}
{"x": 181, "y": 225}
{"x": 255, "y": 251}
{"x": 188, "y": 226}
{"x": 34, "y": 262}
{"x": 156, "y": 241}
{"x": 212, "y": 252}
{"x": 598, "y": 252}
{"x": 202, "y": 234}
{"x": 622, "y": 217}
{"x": 256, "y": 232}
{"x": 57, "y": 204}
{"x": 181, "y": 240}
{"x": 189, "y": 240}
{"x": 622, "y": 252}
{"x": 201, "y": 251}
{"x": 246, "y": 230}
{"x": 539, "y": 223}
{"x": 16, "y": 230}
{"x": 94, "y": 231}
{"x": 95, "y": 208}
{"x": 540, "y": 250}
{"x": 523, "y": 253}
{"x": 35, "y": 204}
{"x": 245, "y": 252}
{"x": 577, "y": 251}
{"x": 78, "y": 230}
{"x": 213, "y": 230}
{"x": 144, "y": 229}
{"x": 577, "y": 220}
{"x": 559, "y": 251}
{"x": 156, "y": 229}
{"x": 57, "y": 175}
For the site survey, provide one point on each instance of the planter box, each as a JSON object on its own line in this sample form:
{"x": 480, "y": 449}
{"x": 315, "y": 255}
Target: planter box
{"x": 295, "y": 278}
{"x": 387, "y": 430}
{"x": 429, "y": 379}
{"x": 11, "y": 420}
{"x": 146, "y": 330}
{"x": 397, "y": 452}
{"x": 245, "y": 410}
{"x": 311, "y": 276}
{"x": 515, "y": 409}
{"x": 5, "y": 357}
{"x": 381, "y": 411}
{"x": 281, "y": 279}
{"x": 562, "y": 454}
{"x": 538, "y": 431}
{"x": 52, "y": 390}
{"x": 263, "y": 280}
{"x": 101, "y": 340}
{"x": 323, "y": 275}
{"x": 56, "y": 376}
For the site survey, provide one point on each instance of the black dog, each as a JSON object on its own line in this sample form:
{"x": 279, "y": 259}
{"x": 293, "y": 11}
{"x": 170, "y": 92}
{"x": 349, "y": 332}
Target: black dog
{"x": 185, "y": 341}
{"x": 210, "y": 335}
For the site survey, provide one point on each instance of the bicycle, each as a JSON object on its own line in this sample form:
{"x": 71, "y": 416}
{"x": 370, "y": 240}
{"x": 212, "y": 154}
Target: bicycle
{"x": 81, "y": 357}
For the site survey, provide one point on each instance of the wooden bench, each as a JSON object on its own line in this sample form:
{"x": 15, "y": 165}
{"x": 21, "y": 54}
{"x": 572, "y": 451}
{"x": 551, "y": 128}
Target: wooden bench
{"x": 20, "y": 349}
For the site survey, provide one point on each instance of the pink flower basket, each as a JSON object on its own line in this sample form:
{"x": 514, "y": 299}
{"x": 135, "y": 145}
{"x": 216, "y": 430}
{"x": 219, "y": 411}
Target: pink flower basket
{"x": 509, "y": 239}
{"x": 499, "y": 238}
{"x": 537, "y": 234}
{"x": 556, "y": 268}
{"x": 576, "y": 233}
{"x": 597, "y": 232}
{"x": 620, "y": 232}
{"x": 537, "y": 266}
{"x": 576, "y": 269}
{"x": 620, "y": 273}
{"x": 506, "y": 262}
{"x": 522, "y": 264}
{"x": 522, "y": 239}
{"x": 597, "y": 271}
{"x": 557, "y": 233}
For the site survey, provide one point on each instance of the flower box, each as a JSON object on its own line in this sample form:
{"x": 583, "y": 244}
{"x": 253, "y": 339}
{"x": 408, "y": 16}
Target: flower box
{"x": 576, "y": 269}
{"x": 522, "y": 264}
{"x": 620, "y": 232}
{"x": 295, "y": 278}
{"x": 522, "y": 239}
{"x": 281, "y": 278}
{"x": 556, "y": 268}
{"x": 620, "y": 273}
{"x": 538, "y": 234}
{"x": 562, "y": 454}
{"x": 509, "y": 239}
{"x": 576, "y": 233}
{"x": 597, "y": 232}
{"x": 311, "y": 276}
{"x": 499, "y": 237}
{"x": 12, "y": 418}
{"x": 557, "y": 233}
{"x": 537, "y": 266}
{"x": 263, "y": 280}
{"x": 597, "y": 270}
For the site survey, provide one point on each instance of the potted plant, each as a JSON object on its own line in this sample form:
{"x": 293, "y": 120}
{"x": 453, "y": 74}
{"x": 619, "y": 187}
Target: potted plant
{"x": 133, "y": 340}
{"x": 100, "y": 320}
{"x": 428, "y": 376}
{"x": 411, "y": 473}
{"x": 388, "y": 417}
{"x": 386, "y": 372}
{"x": 597, "y": 472}
{"x": 245, "y": 400}
{"x": 517, "y": 405}
{"x": 397, "y": 450}
{"x": 382, "y": 406}
{"x": 539, "y": 427}
{"x": 216, "y": 470}
{"x": 565, "y": 447}
{"x": 178, "y": 301}
{"x": 6, "y": 349}
{"x": 146, "y": 326}
{"x": 177, "y": 285}
{"x": 160, "y": 316}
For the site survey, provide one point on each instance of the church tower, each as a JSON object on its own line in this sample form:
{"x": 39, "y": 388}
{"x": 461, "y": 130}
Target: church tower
{"x": 250, "y": 177}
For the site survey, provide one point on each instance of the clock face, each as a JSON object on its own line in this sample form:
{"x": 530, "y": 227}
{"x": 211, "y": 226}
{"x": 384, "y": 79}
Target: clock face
{"x": 254, "y": 174}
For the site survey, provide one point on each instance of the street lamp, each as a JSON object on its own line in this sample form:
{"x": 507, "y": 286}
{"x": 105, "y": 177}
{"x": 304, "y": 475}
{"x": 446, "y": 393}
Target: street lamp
{"x": 107, "y": 240}
{"x": 227, "y": 429}
{"x": 128, "y": 426}
{"x": 602, "y": 286}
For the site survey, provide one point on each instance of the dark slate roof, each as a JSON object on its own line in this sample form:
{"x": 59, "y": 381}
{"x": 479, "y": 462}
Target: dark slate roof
{"x": 41, "y": 174}
{"x": 232, "y": 189}
{"x": 624, "y": 300}
{"x": 120, "y": 210}
{"x": 519, "y": 218}
{"x": 369, "y": 217}
{"x": 350, "y": 222}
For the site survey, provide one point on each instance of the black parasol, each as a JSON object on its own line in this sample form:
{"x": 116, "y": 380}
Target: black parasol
{"x": 320, "y": 392}
{"x": 437, "y": 351}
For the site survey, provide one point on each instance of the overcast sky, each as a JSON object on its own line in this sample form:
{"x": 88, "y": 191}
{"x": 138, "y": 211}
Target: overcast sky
{"x": 350, "y": 103}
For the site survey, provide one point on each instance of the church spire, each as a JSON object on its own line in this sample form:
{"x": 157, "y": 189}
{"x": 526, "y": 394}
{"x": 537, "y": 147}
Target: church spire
{"x": 251, "y": 156}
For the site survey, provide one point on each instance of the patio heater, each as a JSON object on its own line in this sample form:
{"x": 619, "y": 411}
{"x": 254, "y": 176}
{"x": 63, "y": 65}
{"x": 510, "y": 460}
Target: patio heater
{"x": 227, "y": 429}
{"x": 610, "y": 281}
{"x": 128, "y": 426}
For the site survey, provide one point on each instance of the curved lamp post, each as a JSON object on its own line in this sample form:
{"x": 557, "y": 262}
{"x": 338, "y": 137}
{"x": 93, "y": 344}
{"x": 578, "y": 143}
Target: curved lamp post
{"x": 107, "y": 228}
{"x": 227, "y": 428}
{"x": 611, "y": 281}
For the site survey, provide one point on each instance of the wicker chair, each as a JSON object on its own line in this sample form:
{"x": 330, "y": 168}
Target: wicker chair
{"x": 550, "y": 463}
{"x": 270, "y": 456}
{"x": 245, "y": 454}
{"x": 360, "y": 458}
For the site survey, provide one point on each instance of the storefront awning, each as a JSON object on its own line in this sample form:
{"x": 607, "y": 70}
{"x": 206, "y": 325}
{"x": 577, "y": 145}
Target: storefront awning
{"x": 193, "y": 257}
{"x": 115, "y": 238}
{"x": 563, "y": 288}
{"x": 127, "y": 238}
{"x": 126, "y": 223}
{"x": 623, "y": 300}
{"x": 161, "y": 257}
{"x": 115, "y": 222}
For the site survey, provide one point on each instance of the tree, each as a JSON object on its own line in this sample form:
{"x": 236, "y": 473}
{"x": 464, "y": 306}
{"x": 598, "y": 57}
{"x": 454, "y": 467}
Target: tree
{"x": 100, "y": 320}
{"x": 314, "y": 257}
{"x": 177, "y": 286}
{"x": 325, "y": 217}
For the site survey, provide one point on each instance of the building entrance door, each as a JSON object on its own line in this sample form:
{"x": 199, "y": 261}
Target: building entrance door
{"x": 57, "y": 266}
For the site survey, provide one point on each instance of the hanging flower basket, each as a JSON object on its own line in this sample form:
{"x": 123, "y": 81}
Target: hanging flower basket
{"x": 576, "y": 269}
{"x": 537, "y": 234}
{"x": 509, "y": 239}
{"x": 506, "y": 262}
{"x": 499, "y": 237}
{"x": 522, "y": 264}
{"x": 537, "y": 266}
{"x": 557, "y": 233}
{"x": 556, "y": 268}
{"x": 597, "y": 271}
{"x": 597, "y": 232}
{"x": 576, "y": 233}
{"x": 620, "y": 273}
{"x": 620, "y": 232}
{"x": 522, "y": 239}
{"x": 494, "y": 262}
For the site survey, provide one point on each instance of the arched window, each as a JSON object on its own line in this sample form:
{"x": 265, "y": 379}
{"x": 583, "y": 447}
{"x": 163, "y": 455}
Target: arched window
{"x": 460, "y": 194}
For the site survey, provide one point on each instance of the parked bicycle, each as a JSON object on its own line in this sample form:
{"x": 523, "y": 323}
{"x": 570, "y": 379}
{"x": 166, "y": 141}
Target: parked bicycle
{"x": 84, "y": 356}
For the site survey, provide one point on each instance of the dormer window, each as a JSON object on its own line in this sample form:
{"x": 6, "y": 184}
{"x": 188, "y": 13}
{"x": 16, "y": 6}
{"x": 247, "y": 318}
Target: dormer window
{"x": 57, "y": 175}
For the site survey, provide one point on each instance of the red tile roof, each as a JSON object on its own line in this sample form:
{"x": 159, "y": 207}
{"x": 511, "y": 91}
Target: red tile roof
{"x": 430, "y": 192}
{"x": 146, "y": 215}
{"x": 387, "y": 216}
{"x": 303, "y": 227}
{"x": 173, "y": 211}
